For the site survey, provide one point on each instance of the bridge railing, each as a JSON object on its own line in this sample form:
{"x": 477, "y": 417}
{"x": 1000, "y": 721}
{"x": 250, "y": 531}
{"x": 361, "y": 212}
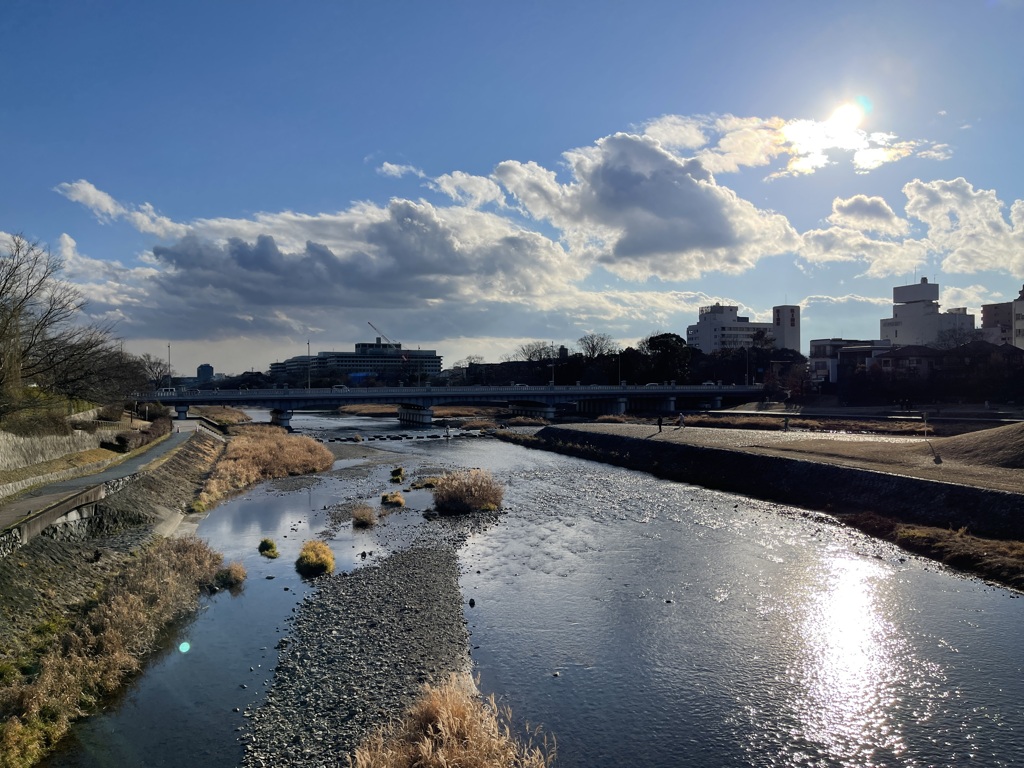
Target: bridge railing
{"x": 361, "y": 393}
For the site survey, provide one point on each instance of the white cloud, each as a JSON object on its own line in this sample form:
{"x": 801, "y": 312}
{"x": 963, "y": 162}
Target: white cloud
{"x": 677, "y": 132}
{"x": 884, "y": 258}
{"x": 105, "y": 208}
{"x": 642, "y": 211}
{"x": 473, "y": 191}
{"x": 868, "y": 214}
{"x": 967, "y": 227}
{"x": 398, "y": 171}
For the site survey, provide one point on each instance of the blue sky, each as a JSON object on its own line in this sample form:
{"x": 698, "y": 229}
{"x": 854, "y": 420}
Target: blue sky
{"x": 238, "y": 178}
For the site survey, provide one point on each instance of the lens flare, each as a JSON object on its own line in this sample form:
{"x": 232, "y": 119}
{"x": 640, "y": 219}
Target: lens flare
{"x": 847, "y": 116}
{"x": 184, "y": 648}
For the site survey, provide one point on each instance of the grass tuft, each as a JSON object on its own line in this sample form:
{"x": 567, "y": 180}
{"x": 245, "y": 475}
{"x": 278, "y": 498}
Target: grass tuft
{"x": 363, "y": 516}
{"x": 231, "y": 576}
{"x": 470, "y": 490}
{"x": 451, "y": 726}
{"x": 393, "y": 499}
{"x": 398, "y": 475}
{"x": 315, "y": 559}
{"x": 268, "y": 548}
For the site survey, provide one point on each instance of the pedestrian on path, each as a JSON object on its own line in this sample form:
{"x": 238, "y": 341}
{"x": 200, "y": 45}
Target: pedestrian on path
{"x": 681, "y": 421}
{"x": 659, "y": 423}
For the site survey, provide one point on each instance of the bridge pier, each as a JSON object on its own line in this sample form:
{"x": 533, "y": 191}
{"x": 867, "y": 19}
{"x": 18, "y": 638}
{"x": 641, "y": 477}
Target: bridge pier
{"x": 415, "y": 415}
{"x": 536, "y": 410}
{"x": 182, "y": 411}
{"x": 281, "y": 418}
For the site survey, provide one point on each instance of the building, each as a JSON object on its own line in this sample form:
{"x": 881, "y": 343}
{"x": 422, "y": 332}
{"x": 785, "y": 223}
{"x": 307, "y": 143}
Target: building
{"x": 377, "y": 360}
{"x": 720, "y": 327}
{"x": 204, "y": 373}
{"x": 1003, "y": 323}
{"x": 916, "y": 318}
{"x": 823, "y": 362}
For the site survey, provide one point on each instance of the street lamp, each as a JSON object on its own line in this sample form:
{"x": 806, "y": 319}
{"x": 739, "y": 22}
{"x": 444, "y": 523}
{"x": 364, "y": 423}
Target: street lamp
{"x": 746, "y": 366}
{"x": 308, "y": 365}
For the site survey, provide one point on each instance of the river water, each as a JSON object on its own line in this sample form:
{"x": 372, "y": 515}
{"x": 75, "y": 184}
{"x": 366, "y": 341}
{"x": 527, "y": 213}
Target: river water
{"x": 639, "y": 621}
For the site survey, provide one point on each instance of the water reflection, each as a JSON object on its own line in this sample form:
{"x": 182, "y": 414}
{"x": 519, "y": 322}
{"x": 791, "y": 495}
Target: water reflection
{"x": 848, "y": 665}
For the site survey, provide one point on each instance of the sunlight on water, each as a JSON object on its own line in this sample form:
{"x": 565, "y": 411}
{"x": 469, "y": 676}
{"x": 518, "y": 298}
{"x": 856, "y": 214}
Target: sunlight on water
{"x": 845, "y": 708}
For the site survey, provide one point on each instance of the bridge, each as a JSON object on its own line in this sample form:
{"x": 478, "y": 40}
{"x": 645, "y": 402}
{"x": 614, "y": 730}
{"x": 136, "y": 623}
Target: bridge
{"x": 415, "y": 404}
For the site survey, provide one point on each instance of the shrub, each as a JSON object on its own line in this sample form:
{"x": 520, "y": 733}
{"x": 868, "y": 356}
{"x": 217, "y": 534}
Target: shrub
{"x": 451, "y": 726}
{"x": 527, "y": 421}
{"x": 268, "y": 548}
{"x": 315, "y": 559}
{"x": 479, "y": 424}
{"x": 468, "y": 491}
{"x": 398, "y": 475}
{"x": 363, "y": 516}
{"x": 230, "y": 576}
{"x": 393, "y": 499}
{"x": 112, "y": 412}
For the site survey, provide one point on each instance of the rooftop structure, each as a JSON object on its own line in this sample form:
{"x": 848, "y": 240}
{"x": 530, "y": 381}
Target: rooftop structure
{"x": 379, "y": 359}
{"x": 916, "y": 318}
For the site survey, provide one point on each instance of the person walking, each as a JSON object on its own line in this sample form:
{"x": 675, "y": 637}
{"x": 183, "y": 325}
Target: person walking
{"x": 681, "y": 421}
{"x": 659, "y": 423}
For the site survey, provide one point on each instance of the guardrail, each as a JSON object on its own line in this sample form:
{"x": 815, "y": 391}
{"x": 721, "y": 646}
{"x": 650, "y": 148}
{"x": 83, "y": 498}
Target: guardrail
{"x": 504, "y": 389}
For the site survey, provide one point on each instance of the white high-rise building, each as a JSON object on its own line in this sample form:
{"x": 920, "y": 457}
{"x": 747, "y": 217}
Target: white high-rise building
{"x": 916, "y": 318}
{"x": 721, "y": 327}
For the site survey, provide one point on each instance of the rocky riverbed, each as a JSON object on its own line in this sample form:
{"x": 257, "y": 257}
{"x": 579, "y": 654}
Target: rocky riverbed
{"x": 360, "y": 649}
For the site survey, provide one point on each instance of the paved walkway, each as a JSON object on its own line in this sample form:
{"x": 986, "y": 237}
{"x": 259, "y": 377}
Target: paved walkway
{"x": 43, "y": 497}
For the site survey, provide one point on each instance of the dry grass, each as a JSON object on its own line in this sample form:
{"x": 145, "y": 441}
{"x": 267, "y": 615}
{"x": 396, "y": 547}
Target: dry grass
{"x": 398, "y": 475}
{"x": 369, "y": 409}
{"x": 611, "y": 418}
{"x": 107, "y": 644}
{"x": 393, "y": 499}
{"x": 999, "y": 447}
{"x": 481, "y": 424}
{"x": 467, "y": 491}
{"x": 450, "y": 727}
{"x": 426, "y": 482}
{"x": 994, "y": 559}
{"x": 527, "y": 421}
{"x": 468, "y": 411}
{"x": 262, "y": 453}
{"x": 223, "y": 414}
{"x": 315, "y": 559}
{"x": 231, "y": 576}
{"x": 363, "y": 516}
{"x": 268, "y": 548}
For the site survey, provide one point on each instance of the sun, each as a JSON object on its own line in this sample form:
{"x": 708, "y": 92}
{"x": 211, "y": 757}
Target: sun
{"x": 847, "y": 116}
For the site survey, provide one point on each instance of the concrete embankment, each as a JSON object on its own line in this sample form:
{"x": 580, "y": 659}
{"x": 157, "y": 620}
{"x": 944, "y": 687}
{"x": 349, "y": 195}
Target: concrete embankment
{"x": 813, "y": 484}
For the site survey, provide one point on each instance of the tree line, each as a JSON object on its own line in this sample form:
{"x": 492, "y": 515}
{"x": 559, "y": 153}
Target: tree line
{"x": 49, "y": 353}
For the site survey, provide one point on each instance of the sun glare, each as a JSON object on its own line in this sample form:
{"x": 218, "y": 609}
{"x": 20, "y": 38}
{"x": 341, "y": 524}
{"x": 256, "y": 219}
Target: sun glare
{"x": 847, "y": 116}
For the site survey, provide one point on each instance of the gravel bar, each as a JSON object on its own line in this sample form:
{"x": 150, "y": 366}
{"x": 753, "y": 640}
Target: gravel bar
{"x": 360, "y": 649}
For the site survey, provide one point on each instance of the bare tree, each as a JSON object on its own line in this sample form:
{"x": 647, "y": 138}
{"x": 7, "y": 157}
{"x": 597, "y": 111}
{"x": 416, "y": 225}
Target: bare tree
{"x": 535, "y": 351}
{"x": 155, "y": 369}
{"x": 593, "y": 345}
{"x": 40, "y": 341}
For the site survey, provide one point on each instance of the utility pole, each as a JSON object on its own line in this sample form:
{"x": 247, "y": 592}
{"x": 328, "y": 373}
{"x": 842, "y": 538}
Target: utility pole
{"x": 170, "y": 379}
{"x": 308, "y": 363}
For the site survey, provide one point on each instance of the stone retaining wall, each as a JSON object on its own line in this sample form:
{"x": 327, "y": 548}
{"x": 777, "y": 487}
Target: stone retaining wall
{"x": 815, "y": 485}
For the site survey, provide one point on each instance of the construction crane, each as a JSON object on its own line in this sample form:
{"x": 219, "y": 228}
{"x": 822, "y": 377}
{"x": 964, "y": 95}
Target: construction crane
{"x": 396, "y": 346}
{"x": 381, "y": 334}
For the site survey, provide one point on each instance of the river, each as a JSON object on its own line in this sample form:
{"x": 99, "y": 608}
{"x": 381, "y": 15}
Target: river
{"x": 639, "y": 621}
